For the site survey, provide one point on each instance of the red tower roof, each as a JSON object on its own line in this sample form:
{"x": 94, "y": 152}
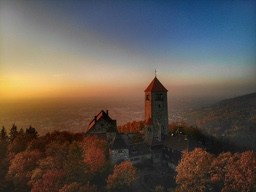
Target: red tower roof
{"x": 155, "y": 86}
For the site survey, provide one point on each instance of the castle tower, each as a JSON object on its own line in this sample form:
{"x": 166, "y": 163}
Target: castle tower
{"x": 156, "y": 111}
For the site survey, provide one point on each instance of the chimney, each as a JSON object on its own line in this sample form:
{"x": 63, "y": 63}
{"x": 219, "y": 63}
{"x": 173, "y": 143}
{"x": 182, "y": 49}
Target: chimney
{"x": 95, "y": 118}
{"x": 107, "y": 112}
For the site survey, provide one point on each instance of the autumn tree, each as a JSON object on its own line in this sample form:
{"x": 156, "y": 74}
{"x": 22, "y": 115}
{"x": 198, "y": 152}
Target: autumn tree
{"x": 193, "y": 171}
{"x": 95, "y": 152}
{"x": 50, "y": 174}
{"x": 39, "y": 143}
{"x": 61, "y": 137}
{"x": 240, "y": 174}
{"x": 201, "y": 171}
{"x": 52, "y": 180}
{"x": 45, "y": 164}
{"x": 74, "y": 166}
{"x": 63, "y": 159}
{"x": 234, "y": 172}
{"x": 78, "y": 187}
{"x": 124, "y": 174}
{"x": 131, "y": 127}
{"x": 218, "y": 170}
{"x": 96, "y": 159}
{"x": 21, "y": 167}
{"x": 58, "y": 151}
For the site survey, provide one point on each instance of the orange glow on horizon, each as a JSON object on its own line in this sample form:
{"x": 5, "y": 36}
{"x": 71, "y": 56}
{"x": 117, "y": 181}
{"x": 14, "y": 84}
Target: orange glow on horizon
{"x": 15, "y": 86}
{"x": 27, "y": 86}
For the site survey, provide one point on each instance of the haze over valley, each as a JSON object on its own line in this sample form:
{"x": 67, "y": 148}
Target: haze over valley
{"x": 214, "y": 116}
{"x": 67, "y": 114}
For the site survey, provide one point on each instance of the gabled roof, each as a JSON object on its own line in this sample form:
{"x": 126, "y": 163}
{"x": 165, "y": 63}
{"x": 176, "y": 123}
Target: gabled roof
{"x": 101, "y": 115}
{"x": 155, "y": 86}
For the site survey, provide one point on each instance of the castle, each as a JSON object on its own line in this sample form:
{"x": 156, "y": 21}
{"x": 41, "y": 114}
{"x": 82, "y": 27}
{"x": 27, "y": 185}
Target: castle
{"x": 158, "y": 146}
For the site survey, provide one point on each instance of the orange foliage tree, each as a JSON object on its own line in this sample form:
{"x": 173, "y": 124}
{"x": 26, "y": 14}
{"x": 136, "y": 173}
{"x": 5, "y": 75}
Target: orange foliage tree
{"x": 77, "y": 187}
{"x": 21, "y": 167}
{"x": 52, "y": 180}
{"x": 131, "y": 127}
{"x": 240, "y": 172}
{"x": 123, "y": 176}
{"x": 95, "y": 153}
{"x": 64, "y": 160}
{"x": 193, "y": 171}
{"x": 218, "y": 170}
{"x": 201, "y": 171}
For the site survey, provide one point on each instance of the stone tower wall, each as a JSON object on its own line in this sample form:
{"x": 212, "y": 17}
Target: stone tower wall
{"x": 160, "y": 111}
{"x": 156, "y": 109}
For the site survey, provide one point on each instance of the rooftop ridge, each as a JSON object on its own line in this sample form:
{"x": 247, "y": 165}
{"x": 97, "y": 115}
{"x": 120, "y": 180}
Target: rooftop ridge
{"x": 155, "y": 86}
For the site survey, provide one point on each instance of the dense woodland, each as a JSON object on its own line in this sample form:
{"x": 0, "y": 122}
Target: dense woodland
{"x": 58, "y": 162}
{"x": 226, "y": 172}
{"x": 69, "y": 162}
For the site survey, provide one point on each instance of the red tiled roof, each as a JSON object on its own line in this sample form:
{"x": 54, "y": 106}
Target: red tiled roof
{"x": 155, "y": 86}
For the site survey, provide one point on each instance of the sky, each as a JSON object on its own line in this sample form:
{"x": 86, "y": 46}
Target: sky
{"x": 89, "y": 49}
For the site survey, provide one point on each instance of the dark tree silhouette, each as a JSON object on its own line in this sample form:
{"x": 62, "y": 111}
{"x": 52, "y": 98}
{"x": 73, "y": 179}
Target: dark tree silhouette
{"x": 13, "y": 132}
{"x": 4, "y": 136}
{"x": 31, "y": 133}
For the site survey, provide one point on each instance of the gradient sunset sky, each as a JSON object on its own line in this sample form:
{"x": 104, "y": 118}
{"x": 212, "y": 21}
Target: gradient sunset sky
{"x": 111, "y": 48}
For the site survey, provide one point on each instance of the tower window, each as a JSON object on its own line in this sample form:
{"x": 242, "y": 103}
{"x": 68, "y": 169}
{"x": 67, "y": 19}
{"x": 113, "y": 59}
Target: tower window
{"x": 147, "y": 97}
{"x": 159, "y": 97}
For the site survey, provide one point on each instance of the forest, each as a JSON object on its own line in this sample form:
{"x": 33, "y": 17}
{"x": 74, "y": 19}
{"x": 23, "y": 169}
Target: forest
{"x": 58, "y": 162}
{"x": 70, "y": 162}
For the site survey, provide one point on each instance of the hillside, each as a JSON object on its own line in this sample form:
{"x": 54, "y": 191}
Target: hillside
{"x": 233, "y": 119}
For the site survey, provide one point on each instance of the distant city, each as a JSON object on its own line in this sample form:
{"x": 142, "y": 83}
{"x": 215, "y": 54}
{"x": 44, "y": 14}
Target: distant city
{"x": 49, "y": 115}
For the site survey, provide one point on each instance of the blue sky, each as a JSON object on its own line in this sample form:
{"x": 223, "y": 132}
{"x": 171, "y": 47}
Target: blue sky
{"x": 53, "y": 48}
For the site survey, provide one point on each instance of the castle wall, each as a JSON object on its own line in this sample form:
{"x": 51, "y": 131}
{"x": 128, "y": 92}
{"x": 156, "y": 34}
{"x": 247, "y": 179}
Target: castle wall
{"x": 118, "y": 155}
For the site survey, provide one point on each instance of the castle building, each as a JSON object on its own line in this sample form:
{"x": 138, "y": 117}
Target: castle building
{"x": 118, "y": 150}
{"x": 158, "y": 147}
{"x": 123, "y": 148}
{"x": 103, "y": 125}
{"x": 156, "y": 112}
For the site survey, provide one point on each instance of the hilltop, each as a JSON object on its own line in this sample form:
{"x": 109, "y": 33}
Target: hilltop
{"x": 233, "y": 119}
